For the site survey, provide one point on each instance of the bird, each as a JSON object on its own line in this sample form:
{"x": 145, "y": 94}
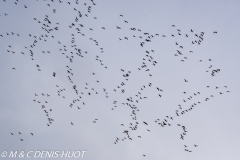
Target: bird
{"x": 82, "y": 81}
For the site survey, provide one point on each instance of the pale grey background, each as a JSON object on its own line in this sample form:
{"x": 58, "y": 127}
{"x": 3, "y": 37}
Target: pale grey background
{"x": 212, "y": 125}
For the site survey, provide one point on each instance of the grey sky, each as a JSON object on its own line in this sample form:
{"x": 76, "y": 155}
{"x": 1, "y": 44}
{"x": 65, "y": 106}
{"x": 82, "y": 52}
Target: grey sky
{"x": 212, "y": 125}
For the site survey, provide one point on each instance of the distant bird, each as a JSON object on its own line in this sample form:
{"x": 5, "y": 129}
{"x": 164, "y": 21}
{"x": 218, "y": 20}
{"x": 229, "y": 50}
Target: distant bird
{"x": 78, "y": 58}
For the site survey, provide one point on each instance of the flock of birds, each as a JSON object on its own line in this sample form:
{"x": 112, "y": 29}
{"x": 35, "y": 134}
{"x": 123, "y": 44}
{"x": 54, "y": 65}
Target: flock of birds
{"x": 50, "y": 28}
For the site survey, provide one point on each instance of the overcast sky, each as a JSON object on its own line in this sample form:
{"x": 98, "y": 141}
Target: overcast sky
{"x": 119, "y": 84}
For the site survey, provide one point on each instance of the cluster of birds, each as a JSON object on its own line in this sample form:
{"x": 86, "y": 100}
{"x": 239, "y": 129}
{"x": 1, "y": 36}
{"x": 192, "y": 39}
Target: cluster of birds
{"x": 50, "y": 28}
{"x": 19, "y": 133}
{"x": 44, "y": 106}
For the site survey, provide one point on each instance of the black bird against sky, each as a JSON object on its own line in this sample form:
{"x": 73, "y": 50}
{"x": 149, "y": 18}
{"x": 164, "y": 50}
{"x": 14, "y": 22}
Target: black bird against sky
{"x": 81, "y": 27}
